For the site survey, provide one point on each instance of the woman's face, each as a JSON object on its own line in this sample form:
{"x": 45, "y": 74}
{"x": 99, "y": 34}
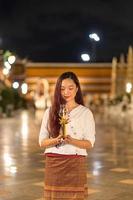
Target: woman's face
{"x": 68, "y": 89}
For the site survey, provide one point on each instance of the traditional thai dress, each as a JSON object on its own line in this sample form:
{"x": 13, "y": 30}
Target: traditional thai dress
{"x": 66, "y": 165}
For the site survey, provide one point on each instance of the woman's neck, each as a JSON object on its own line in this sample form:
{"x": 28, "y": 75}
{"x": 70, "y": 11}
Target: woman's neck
{"x": 71, "y": 105}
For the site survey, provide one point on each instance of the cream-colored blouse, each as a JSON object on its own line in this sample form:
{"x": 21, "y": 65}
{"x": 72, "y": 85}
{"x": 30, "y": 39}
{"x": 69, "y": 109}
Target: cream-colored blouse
{"x": 81, "y": 126}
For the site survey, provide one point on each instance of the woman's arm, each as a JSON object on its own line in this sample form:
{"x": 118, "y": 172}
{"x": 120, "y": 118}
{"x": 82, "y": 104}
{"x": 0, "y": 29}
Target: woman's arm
{"x": 83, "y": 144}
{"x": 51, "y": 141}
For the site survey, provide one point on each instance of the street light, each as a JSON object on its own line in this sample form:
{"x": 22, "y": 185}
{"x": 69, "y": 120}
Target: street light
{"x": 24, "y": 88}
{"x": 85, "y": 57}
{"x": 7, "y": 65}
{"x": 94, "y": 38}
{"x": 15, "y": 85}
{"x": 5, "y": 71}
{"x": 11, "y": 59}
{"x": 128, "y": 87}
{"x": 8, "y": 59}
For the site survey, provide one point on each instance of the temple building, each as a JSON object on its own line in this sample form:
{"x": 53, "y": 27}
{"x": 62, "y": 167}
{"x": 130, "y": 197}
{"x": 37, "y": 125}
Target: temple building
{"x": 109, "y": 163}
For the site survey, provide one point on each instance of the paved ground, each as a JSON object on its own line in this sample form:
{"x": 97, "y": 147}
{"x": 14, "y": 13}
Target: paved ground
{"x": 110, "y": 171}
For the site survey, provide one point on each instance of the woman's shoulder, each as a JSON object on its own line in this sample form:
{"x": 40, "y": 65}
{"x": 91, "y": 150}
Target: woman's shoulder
{"x": 84, "y": 108}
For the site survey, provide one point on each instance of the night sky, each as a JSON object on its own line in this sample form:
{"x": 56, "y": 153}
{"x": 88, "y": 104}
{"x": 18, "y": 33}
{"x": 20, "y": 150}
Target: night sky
{"x": 58, "y": 31}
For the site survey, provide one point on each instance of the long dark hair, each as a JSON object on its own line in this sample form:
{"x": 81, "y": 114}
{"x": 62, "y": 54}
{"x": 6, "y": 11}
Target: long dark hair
{"x": 54, "y": 126}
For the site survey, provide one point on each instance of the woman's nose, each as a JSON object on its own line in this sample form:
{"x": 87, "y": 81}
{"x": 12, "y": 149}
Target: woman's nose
{"x": 66, "y": 92}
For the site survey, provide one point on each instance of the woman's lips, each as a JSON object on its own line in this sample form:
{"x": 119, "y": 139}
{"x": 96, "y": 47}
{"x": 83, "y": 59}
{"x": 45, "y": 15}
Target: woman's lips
{"x": 66, "y": 97}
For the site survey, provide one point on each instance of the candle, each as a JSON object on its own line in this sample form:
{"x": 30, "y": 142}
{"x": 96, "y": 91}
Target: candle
{"x": 63, "y": 119}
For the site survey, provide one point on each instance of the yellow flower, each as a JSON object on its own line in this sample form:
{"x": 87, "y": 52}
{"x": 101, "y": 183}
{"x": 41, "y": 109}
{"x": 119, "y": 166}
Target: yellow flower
{"x": 63, "y": 120}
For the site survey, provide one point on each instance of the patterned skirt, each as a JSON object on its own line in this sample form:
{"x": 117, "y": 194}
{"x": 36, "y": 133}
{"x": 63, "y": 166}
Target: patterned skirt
{"x": 65, "y": 177}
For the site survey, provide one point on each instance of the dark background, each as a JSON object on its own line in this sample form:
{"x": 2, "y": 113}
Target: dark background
{"x": 57, "y": 31}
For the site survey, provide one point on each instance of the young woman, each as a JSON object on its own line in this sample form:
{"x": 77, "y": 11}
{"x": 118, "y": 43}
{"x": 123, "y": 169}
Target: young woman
{"x": 65, "y": 165}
